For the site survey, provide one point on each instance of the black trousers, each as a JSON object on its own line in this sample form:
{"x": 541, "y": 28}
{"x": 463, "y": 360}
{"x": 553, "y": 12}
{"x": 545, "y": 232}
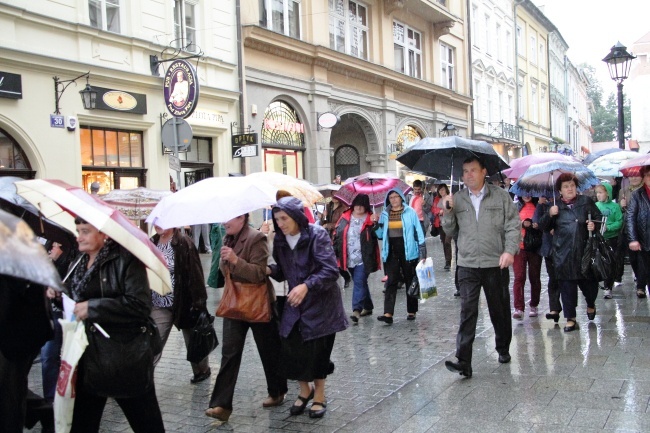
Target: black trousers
{"x": 569, "y": 291}
{"x": 142, "y": 412}
{"x": 398, "y": 269}
{"x": 497, "y": 295}
{"x": 267, "y": 339}
{"x": 553, "y": 286}
{"x": 13, "y": 391}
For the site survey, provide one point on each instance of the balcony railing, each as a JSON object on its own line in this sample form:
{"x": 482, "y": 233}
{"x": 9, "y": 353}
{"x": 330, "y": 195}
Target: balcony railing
{"x": 506, "y": 131}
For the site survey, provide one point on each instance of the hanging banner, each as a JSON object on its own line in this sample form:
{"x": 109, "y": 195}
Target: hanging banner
{"x": 181, "y": 89}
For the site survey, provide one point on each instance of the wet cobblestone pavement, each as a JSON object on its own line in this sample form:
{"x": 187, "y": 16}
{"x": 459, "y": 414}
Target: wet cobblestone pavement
{"x": 393, "y": 379}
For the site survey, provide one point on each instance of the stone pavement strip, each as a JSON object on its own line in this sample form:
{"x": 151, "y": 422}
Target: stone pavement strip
{"x": 393, "y": 379}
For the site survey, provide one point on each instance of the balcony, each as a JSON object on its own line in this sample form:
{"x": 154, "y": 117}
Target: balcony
{"x": 506, "y": 131}
{"x": 435, "y": 11}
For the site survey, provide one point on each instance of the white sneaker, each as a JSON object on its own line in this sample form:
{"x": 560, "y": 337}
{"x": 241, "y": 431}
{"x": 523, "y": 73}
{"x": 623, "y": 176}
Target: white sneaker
{"x": 617, "y": 283}
{"x": 533, "y": 312}
{"x": 608, "y": 294}
{"x": 518, "y": 314}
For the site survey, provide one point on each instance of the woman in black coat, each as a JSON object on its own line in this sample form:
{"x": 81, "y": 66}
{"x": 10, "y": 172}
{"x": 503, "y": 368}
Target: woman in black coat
{"x": 569, "y": 219}
{"x": 638, "y": 231}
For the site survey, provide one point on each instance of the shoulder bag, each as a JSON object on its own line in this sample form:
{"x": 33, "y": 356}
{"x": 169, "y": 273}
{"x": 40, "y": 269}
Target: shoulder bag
{"x": 249, "y": 302}
{"x": 203, "y": 338}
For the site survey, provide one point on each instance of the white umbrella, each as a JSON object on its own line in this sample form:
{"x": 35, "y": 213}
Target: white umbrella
{"x": 212, "y": 200}
{"x": 299, "y": 188}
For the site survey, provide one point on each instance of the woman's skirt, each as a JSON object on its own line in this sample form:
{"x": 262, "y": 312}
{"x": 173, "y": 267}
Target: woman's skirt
{"x": 306, "y": 360}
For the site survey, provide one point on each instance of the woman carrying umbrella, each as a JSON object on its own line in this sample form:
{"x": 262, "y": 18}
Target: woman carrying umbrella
{"x": 182, "y": 307}
{"x": 313, "y": 312}
{"x": 638, "y": 231}
{"x": 110, "y": 288}
{"x": 437, "y": 212}
{"x": 402, "y": 245}
{"x": 355, "y": 244}
{"x": 569, "y": 219}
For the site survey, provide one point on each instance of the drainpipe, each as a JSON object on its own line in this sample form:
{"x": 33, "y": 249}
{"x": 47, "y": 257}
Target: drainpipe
{"x": 469, "y": 55}
{"x": 240, "y": 77}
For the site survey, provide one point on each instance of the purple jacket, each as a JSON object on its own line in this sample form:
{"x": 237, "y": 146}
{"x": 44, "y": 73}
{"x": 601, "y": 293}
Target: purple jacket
{"x": 312, "y": 262}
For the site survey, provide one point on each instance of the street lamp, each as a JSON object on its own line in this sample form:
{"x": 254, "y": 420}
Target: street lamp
{"x": 88, "y": 94}
{"x": 448, "y": 130}
{"x": 619, "y": 61}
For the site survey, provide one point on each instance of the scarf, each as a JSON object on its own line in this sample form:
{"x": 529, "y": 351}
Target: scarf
{"x": 81, "y": 276}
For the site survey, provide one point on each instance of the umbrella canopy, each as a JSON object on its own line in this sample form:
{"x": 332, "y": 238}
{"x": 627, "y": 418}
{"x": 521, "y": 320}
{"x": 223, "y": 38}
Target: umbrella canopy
{"x": 136, "y": 203}
{"x": 21, "y": 256}
{"x": 608, "y": 165}
{"x": 61, "y": 202}
{"x": 631, "y": 168}
{"x": 594, "y": 156}
{"x": 539, "y": 179}
{"x": 443, "y": 157}
{"x": 13, "y": 203}
{"x": 299, "y": 188}
{"x": 375, "y": 185}
{"x": 212, "y": 200}
{"x": 519, "y": 166}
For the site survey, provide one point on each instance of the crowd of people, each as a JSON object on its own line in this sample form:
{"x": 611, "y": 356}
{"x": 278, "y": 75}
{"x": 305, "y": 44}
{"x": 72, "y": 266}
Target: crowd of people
{"x": 297, "y": 265}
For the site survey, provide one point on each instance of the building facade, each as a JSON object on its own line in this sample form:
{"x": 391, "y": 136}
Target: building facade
{"x": 579, "y": 109}
{"x": 558, "y": 78}
{"x": 638, "y": 89}
{"x": 118, "y": 144}
{"x": 386, "y": 72}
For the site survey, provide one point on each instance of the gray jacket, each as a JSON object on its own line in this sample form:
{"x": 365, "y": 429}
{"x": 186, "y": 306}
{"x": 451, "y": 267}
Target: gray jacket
{"x": 498, "y": 229}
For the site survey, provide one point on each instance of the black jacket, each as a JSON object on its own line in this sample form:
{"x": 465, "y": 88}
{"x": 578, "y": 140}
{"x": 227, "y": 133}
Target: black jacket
{"x": 189, "y": 281}
{"x": 369, "y": 246}
{"x": 570, "y": 235}
{"x": 636, "y": 218}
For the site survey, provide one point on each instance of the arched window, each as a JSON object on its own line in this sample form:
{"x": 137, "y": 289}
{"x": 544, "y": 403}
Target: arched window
{"x": 283, "y": 139}
{"x": 13, "y": 161}
{"x": 407, "y": 137}
{"x": 346, "y": 161}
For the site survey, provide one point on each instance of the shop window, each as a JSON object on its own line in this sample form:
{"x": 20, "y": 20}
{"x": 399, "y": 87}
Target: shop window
{"x": 105, "y": 14}
{"x": 282, "y": 127}
{"x": 13, "y": 161}
{"x": 110, "y": 147}
{"x": 406, "y": 138}
{"x": 185, "y": 25}
{"x": 349, "y": 27}
{"x": 346, "y": 161}
{"x": 199, "y": 151}
{"x": 282, "y": 16}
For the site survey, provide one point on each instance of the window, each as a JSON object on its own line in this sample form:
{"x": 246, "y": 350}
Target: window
{"x": 511, "y": 115}
{"x": 542, "y": 56}
{"x": 282, "y": 16}
{"x": 486, "y": 35}
{"x": 105, "y": 14}
{"x": 520, "y": 41}
{"x": 544, "y": 108}
{"x": 533, "y": 49}
{"x": 533, "y": 102}
{"x": 490, "y": 107}
{"x": 447, "y": 62}
{"x": 408, "y": 54}
{"x": 520, "y": 101}
{"x": 101, "y": 147}
{"x": 185, "y": 25}
{"x": 477, "y": 99}
{"x": 508, "y": 48}
{"x": 497, "y": 40}
{"x": 475, "y": 34}
{"x": 500, "y": 105}
{"x": 12, "y": 156}
{"x": 349, "y": 28}
{"x": 200, "y": 150}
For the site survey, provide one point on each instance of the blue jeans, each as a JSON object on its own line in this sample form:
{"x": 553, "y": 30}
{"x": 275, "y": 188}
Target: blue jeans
{"x": 361, "y": 299}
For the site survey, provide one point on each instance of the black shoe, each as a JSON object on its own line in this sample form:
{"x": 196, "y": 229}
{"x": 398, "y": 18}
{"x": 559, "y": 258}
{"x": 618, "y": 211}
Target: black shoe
{"x": 387, "y": 320}
{"x": 298, "y": 409}
{"x": 457, "y": 294}
{"x": 200, "y": 377}
{"x": 355, "y": 316}
{"x": 459, "y": 367}
{"x": 410, "y": 317}
{"x": 591, "y": 315}
{"x": 571, "y": 325}
{"x": 447, "y": 267}
{"x": 313, "y": 413}
{"x": 504, "y": 358}
{"x": 553, "y": 316}
{"x": 346, "y": 284}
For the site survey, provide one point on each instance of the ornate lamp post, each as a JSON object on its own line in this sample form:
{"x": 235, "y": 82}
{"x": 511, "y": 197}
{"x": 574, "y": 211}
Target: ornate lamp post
{"x": 619, "y": 61}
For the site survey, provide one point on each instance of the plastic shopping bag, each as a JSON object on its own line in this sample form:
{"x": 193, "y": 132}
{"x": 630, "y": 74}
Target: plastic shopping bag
{"x": 426, "y": 278}
{"x": 74, "y": 345}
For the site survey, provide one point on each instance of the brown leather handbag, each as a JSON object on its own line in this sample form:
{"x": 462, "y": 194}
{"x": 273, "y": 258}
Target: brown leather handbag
{"x": 249, "y": 302}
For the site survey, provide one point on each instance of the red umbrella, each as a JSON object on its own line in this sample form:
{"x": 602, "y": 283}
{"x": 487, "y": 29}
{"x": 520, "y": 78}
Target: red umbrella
{"x": 633, "y": 166}
{"x": 61, "y": 203}
{"x": 375, "y": 185}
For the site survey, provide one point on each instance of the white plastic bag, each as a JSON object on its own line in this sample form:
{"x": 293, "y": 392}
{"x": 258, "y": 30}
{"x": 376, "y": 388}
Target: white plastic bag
{"x": 74, "y": 345}
{"x": 426, "y": 278}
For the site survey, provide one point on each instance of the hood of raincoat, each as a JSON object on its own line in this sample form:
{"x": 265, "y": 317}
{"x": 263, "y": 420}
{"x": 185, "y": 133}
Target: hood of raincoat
{"x": 608, "y": 188}
{"x": 295, "y": 209}
{"x": 401, "y": 194}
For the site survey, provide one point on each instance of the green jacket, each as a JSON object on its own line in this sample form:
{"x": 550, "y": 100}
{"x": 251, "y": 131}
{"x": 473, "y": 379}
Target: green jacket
{"x": 613, "y": 213}
{"x": 217, "y": 233}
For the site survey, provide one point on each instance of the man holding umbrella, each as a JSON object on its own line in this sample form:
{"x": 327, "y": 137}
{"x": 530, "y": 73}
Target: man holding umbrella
{"x": 487, "y": 223}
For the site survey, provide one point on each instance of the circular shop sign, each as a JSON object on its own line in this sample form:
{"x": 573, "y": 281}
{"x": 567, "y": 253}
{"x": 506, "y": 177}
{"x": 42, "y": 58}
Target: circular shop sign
{"x": 181, "y": 89}
{"x": 327, "y": 120}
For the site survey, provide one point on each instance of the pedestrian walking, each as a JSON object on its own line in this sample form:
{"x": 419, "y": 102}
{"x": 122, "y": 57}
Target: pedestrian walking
{"x": 329, "y": 218}
{"x": 438, "y": 212}
{"x": 624, "y": 195}
{"x": 638, "y": 231}
{"x": 357, "y": 251}
{"x": 313, "y": 312}
{"x": 181, "y": 307}
{"x": 553, "y": 289}
{"x": 527, "y": 257}
{"x": 403, "y": 245}
{"x": 613, "y": 227}
{"x": 488, "y": 228}
{"x": 569, "y": 220}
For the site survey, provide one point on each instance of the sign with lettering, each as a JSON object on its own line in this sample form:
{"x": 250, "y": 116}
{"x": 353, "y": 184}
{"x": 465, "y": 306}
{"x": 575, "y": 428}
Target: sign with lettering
{"x": 181, "y": 89}
{"x": 276, "y": 125}
{"x": 209, "y": 117}
{"x": 57, "y": 121}
{"x": 10, "y": 86}
{"x": 245, "y": 151}
{"x": 119, "y": 100}
{"x": 244, "y": 145}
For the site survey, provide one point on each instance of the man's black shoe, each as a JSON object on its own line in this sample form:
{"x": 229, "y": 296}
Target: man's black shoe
{"x": 459, "y": 367}
{"x": 346, "y": 284}
{"x": 504, "y": 358}
{"x": 457, "y": 294}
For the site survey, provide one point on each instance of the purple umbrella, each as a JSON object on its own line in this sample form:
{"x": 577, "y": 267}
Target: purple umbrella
{"x": 375, "y": 185}
{"x": 519, "y": 166}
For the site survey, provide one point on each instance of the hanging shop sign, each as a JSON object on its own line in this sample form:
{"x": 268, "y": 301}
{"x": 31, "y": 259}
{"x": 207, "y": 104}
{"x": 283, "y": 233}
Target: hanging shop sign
{"x": 181, "y": 89}
{"x": 244, "y": 145}
{"x": 119, "y": 100}
{"x": 11, "y": 86}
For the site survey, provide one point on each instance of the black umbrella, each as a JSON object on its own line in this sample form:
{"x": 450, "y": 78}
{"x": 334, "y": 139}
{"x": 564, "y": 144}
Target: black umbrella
{"x": 443, "y": 157}
{"x": 594, "y": 156}
{"x": 13, "y": 203}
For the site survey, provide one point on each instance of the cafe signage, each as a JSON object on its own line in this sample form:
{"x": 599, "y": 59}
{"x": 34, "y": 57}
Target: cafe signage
{"x": 181, "y": 89}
